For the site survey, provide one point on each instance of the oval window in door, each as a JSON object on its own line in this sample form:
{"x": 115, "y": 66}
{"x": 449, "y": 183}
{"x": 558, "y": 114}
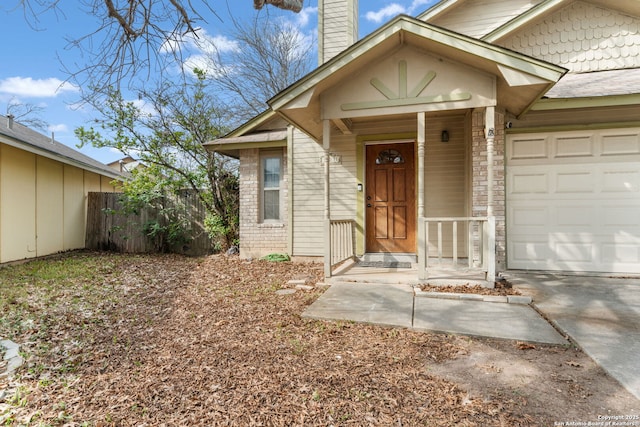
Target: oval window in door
{"x": 386, "y": 157}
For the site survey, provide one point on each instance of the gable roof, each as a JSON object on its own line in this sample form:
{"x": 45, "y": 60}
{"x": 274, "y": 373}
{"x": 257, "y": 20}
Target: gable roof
{"x": 26, "y": 139}
{"x": 537, "y": 11}
{"x": 404, "y": 30}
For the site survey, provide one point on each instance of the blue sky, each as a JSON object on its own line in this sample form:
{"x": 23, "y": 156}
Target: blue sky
{"x": 36, "y": 53}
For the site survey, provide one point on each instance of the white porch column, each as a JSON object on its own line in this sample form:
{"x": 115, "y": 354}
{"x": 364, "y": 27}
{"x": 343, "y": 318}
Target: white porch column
{"x": 422, "y": 245}
{"x": 326, "y": 145}
{"x": 490, "y": 133}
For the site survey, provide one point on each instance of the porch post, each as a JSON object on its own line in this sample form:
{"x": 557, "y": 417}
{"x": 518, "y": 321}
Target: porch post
{"x": 490, "y": 133}
{"x": 422, "y": 245}
{"x": 326, "y": 145}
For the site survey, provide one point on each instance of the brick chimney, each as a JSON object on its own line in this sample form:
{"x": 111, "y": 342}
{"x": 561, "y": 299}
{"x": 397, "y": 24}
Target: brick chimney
{"x": 337, "y": 27}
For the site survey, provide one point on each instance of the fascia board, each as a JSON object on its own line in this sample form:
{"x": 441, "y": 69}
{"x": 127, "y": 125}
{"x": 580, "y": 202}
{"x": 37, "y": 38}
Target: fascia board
{"x": 251, "y": 124}
{"x": 59, "y": 158}
{"x": 588, "y": 102}
{"x": 522, "y": 20}
{"x": 438, "y": 9}
{"x": 325, "y": 70}
{"x": 496, "y": 54}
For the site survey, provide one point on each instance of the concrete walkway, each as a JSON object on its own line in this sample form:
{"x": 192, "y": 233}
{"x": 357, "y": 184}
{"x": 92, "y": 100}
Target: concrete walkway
{"x": 601, "y": 315}
{"x": 396, "y": 305}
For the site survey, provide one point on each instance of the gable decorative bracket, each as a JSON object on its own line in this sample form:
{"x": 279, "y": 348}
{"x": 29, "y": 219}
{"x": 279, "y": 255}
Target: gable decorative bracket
{"x": 404, "y": 96}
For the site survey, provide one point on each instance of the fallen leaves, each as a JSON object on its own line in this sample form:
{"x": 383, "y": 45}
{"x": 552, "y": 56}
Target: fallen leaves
{"x": 170, "y": 340}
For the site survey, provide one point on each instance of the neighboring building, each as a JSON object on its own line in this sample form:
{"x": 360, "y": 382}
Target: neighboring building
{"x": 522, "y": 114}
{"x": 126, "y": 164}
{"x": 43, "y": 193}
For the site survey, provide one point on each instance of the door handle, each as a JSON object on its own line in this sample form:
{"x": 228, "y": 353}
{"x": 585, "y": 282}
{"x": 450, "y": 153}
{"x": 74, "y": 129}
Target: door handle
{"x": 368, "y": 197}
{"x": 368, "y": 205}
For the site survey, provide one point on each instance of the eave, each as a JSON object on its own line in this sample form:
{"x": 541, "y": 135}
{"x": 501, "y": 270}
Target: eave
{"x": 300, "y": 103}
{"x": 586, "y": 102}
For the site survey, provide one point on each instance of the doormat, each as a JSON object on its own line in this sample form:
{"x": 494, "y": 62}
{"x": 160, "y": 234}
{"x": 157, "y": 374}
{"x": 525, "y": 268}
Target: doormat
{"x": 384, "y": 264}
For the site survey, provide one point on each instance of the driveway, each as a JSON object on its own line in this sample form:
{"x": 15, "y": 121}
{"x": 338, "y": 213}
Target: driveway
{"x": 601, "y": 315}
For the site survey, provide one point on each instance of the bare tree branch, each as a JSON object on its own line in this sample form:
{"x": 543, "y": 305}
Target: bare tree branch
{"x": 27, "y": 114}
{"x": 130, "y": 41}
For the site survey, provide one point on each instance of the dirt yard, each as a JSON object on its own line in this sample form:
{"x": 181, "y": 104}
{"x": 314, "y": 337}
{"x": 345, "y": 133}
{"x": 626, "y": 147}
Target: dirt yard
{"x": 113, "y": 340}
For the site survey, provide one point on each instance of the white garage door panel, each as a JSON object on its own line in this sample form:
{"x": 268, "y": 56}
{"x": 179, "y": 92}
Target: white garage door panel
{"x": 573, "y": 201}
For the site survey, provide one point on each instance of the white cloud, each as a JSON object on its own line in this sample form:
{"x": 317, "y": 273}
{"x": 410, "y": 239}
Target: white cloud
{"x": 304, "y": 16}
{"x": 394, "y": 9}
{"x": 58, "y": 128}
{"x": 200, "y": 41}
{"x": 35, "y": 88}
{"x": 386, "y": 12}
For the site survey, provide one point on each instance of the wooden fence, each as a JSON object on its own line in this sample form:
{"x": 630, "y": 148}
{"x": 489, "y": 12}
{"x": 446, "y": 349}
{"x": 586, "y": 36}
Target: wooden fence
{"x": 112, "y": 225}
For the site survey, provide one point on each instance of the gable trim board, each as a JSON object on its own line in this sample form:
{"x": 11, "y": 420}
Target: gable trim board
{"x": 305, "y": 95}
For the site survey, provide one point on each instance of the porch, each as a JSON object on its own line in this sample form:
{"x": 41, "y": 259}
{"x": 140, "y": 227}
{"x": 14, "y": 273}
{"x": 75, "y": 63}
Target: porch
{"x": 476, "y": 267}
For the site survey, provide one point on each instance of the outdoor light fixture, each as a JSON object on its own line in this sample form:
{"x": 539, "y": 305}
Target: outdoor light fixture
{"x": 444, "y": 136}
{"x": 360, "y": 188}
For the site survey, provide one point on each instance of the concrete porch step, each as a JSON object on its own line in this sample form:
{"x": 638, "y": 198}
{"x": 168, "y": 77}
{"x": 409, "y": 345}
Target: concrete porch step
{"x": 389, "y": 258}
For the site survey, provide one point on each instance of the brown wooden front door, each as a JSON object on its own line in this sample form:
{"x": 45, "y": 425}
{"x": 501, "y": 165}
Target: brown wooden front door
{"x": 390, "y": 198}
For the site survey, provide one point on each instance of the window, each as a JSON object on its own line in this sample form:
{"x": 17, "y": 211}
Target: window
{"x": 389, "y": 156}
{"x": 271, "y": 175}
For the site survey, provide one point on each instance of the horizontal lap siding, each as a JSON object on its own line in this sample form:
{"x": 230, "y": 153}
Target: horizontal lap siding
{"x": 446, "y": 179}
{"x": 308, "y": 190}
{"x": 479, "y": 17}
{"x": 308, "y": 193}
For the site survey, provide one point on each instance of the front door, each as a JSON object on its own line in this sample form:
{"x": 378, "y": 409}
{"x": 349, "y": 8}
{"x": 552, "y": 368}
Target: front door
{"x": 390, "y": 198}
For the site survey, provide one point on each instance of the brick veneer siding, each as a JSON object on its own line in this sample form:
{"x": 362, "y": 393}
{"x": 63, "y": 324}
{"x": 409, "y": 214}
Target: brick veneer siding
{"x": 480, "y": 181}
{"x": 256, "y": 238}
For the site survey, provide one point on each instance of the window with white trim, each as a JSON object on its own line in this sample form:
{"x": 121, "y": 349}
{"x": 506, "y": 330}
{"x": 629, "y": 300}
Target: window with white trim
{"x": 271, "y": 167}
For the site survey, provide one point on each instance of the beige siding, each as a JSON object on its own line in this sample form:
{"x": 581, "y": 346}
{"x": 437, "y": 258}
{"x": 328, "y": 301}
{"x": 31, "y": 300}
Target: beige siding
{"x": 49, "y": 206}
{"x": 308, "y": 201}
{"x": 446, "y": 178}
{"x": 386, "y": 127}
{"x": 577, "y": 117}
{"x": 308, "y": 193}
{"x": 105, "y": 185}
{"x": 42, "y": 204}
{"x": 478, "y": 18}
{"x": 582, "y": 37}
{"x": 343, "y": 178}
{"x": 18, "y": 201}
{"x": 74, "y": 212}
{"x": 337, "y": 27}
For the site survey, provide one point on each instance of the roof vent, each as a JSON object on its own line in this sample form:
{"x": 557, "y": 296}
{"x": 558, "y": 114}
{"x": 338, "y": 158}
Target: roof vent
{"x": 53, "y": 139}
{"x": 10, "y": 118}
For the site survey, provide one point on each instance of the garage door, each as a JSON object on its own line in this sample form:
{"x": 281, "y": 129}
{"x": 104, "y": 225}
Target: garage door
{"x": 573, "y": 201}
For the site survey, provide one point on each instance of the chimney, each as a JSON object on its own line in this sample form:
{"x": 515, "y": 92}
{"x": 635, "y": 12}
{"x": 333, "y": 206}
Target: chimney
{"x": 10, "y": 118}
{"x": 337, "y": 27}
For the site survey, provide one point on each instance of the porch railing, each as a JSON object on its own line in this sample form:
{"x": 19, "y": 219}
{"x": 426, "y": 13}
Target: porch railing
{"x": 342, "y": 240}
{"x": 479, "y": 239}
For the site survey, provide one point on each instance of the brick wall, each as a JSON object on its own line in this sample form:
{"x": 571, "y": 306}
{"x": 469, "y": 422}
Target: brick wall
{"x": 480, "y": 179}
{"x": 256, "y": 238}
